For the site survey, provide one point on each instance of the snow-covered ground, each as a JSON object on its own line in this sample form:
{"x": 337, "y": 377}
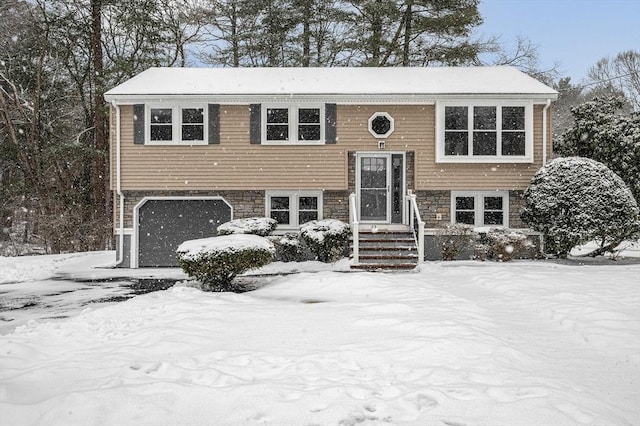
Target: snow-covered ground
{"x": 452, "y": 344}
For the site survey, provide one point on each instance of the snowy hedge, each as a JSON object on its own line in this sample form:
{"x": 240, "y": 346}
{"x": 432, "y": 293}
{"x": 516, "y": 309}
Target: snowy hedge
{"x": 262, "y": 226}
{"x": 288, "y": 247}
{"x": 216, "y": 261}
{"x": 575, "y": 200}
{"x": 453, "y": 240}
{"x": 327, "y": 238}
{"x": 501, "y": 244}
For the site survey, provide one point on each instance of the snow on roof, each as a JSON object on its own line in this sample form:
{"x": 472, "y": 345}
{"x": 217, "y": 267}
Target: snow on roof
{"x": 330, "y": 81}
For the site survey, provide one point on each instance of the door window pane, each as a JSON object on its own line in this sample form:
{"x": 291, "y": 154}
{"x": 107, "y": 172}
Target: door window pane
{"x": 373, "y": 173}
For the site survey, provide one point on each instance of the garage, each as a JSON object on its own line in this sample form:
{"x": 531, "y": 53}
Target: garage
{"x": 163, "y": 224}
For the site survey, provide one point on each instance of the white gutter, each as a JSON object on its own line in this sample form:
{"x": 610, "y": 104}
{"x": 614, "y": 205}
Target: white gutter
{"x": 119, "y": 186}
{"x": 545, "y": 131}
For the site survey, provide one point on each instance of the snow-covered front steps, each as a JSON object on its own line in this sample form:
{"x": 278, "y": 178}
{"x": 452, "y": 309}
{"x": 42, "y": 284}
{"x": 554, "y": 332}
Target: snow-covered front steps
{"x": 386, "y": 249}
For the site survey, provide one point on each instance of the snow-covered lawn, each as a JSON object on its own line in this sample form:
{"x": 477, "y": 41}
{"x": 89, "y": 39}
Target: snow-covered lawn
{"x": 459, "y": 343}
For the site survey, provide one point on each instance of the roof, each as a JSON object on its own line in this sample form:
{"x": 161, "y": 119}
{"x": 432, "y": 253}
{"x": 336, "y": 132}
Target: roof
{"x": 181, "y": 82}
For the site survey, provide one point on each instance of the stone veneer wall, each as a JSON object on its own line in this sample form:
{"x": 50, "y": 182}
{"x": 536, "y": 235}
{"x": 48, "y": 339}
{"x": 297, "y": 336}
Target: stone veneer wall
{"x": 431, "y": 203}
{"x": 515, "y": 204}
{"x": 336, "y": 205}
{"x": 245, "y": 203}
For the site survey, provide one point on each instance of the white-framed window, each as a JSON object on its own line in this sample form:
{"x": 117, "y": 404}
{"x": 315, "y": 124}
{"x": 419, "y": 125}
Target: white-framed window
{"x": 293, "y": 208}
{"x": 172, "y": 124}
{"x": 484, "y": 131}
{"x": 289, "y": 124}
{"x": 480, "y": 208}
{"x": 381, "y": 125}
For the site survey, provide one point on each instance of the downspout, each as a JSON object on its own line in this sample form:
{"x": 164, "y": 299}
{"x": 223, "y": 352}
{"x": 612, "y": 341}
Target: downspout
{"x": 119, "y": 186}
{"x": 545, "y": 131}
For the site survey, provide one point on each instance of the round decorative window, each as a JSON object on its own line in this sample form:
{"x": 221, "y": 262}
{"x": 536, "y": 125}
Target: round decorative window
{"x": 381, "y": 125}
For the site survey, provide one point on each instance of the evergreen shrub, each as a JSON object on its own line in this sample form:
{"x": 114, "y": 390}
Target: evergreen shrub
{"x": 216, "y": 261}
{"x": 576, "y": 200}
{"x": 327, "y": 239}
{"x": 288, "y": 247}
{"x": 261, "y": 226}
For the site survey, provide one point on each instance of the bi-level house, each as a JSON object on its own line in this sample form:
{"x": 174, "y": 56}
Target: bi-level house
{"x": 192, "y": 148}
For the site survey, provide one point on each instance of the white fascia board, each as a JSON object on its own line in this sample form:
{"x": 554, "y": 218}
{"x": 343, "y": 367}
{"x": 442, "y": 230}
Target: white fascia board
{"x": 399, "y": 99}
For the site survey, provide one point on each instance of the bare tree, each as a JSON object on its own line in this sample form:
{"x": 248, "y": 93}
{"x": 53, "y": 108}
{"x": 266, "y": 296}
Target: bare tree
{"x": 618, "y": 75}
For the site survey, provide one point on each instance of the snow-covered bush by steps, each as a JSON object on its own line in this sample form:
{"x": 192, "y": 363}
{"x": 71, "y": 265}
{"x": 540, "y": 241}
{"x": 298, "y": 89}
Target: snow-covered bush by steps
{"x": 288, "y": 248}
{"x": 575, "y": 200}
{"x": 327, "y": 238}
{"x": 454, "y": 239}
{"x": 262, "y": 226}
{"x": 501, "y": 244}
{"x": 216, "y": 261}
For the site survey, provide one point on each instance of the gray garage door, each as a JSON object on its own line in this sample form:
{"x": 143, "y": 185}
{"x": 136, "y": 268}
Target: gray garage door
{"x": 164, "y": 224}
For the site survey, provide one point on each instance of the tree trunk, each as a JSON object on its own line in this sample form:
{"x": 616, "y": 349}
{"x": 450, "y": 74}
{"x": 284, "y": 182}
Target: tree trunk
{"x": 101, "y": 146}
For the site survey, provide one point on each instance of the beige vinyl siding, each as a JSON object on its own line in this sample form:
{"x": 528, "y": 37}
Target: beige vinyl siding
{"x": 480, "y": 176}
{"x": 235, "y": 164}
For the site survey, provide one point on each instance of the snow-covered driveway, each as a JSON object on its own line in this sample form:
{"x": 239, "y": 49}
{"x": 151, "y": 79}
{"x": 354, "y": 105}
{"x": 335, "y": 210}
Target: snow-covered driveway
{"x": 462, "y": 343}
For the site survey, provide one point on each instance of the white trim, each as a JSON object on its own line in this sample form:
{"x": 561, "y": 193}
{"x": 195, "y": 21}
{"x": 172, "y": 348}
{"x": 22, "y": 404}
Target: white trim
{"x": 479, "y": 205}
{"x": 176, "y": 122}
{"x": 357, "y": 99}
{"x": 389, "y": 155}
{"x": 124, "y": 231}
{"x": 135, "y": 240}
{"x": 293, "y": 123}
{"x": 498, "y": 158}
{"x": 293, "y": 195}
{"x": 391, "y": 125}
{"x": 544, "y": 131}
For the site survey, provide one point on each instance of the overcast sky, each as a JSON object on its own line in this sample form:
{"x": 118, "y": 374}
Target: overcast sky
{"x": 574, "y": 33}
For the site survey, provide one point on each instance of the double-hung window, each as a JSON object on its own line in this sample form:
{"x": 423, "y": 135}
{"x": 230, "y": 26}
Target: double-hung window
{"x": 484, "y": 132}
{"x": 477, "y": 208}
{"x": 293, "y": 124}
{"x": 176, "y": 124}
{"x": 293, "y": 208}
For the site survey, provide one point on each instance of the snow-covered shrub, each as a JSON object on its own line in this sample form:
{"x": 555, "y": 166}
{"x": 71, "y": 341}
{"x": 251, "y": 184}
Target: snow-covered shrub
{"x": 454, "y": 239}
{"x": 262, "y": 226}
{"x": 288, "y": 247}
{"x": 575, "y": 200}
{"x": 216, "y": 261}
{"x": 501, "y": 244}
{"x": 327, "y": 238}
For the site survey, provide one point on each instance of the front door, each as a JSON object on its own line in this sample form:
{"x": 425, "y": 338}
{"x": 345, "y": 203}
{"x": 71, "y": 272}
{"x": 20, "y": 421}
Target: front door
{"x": 380, "y": 187}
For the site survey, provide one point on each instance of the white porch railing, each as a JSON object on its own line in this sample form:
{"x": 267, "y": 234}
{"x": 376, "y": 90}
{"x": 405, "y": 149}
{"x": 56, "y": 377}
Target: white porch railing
{"x": 355, "y": 228}
{"x": 417, "y": 225}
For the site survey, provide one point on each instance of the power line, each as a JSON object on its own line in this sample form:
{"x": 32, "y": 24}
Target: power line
{"x": 582, "y": 86}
